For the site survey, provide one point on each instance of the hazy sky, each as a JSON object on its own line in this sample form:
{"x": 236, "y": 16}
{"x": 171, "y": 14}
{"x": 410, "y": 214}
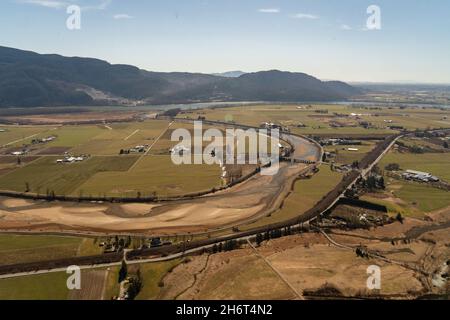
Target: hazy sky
{"x": 327, "y": 39}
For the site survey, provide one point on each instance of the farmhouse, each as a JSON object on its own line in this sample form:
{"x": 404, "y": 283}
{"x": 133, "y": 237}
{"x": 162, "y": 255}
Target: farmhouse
{"x": 179, "y": 150}
{"x": 43, "y": 140}
{"x": 342, "y": 142}
{"x": 419, "y": 176}
{"x": 71, "y": 159}
{"x": 19, "y": 153}
{"x": 136, "y": 149}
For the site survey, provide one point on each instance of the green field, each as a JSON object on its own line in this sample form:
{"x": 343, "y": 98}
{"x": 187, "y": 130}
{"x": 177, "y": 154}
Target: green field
{"x": 105, "y": 172}
{"x": 152, "y": 275}
{"x": 437, "y": 164}
{"x": 291, "y": 116}
{"x": 99, "y": 139}
{"x": 154, "y": 174}
{"x": 45, "y": 174}
{"x": 17, "y": 135}
{"x": 51, "y": 286}
{"x": 30, "y": 248}
{"x": 347, "y": 157}
{"x": 415, "y": 199}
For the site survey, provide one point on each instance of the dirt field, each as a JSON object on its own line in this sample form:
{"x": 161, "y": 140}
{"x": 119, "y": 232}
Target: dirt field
{"x": 92, "y": 286}
{"x": 310, "y": 262}
{"x": 234, "y": 275}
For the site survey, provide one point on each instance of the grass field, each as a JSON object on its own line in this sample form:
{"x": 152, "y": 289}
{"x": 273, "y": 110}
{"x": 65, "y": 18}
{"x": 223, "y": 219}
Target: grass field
{"x": 347, "y": 157}
{"x": 289, "y": 115}
{"x": 305, "y": 195}
{"x": 106, "y": 173}
{"x": 18, "y": 134}
{"x": 31, "y": 248}
{"x": 154, "y": 174}
{"x": 411, "y": 199}
{"x": 50, "y": 286}
{"x": 152, "y": 274}
{"x": 437, "y": 164}
{"x": 112, "y": 286}
{"x": 98, "y": 139}
{"x": 44, "y": 174}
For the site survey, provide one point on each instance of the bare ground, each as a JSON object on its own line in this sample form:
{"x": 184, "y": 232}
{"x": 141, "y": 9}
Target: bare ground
{"x": 309, "y": 262}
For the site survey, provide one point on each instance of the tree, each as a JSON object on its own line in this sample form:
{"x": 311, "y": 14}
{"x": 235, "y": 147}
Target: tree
{"x": 259, "y": 239}
{"x": 123, "y": 272}
{"x": 381, "y": 183}
{"x": 19, "y": 161}
{"x": 135, "y": 285}
{"x": 393, "y": 167}
{"x": 128, "y": 242}
{"x": 446, "y": 145}
{"x": 27, "y": 187}
{"x": 399, "y": 218}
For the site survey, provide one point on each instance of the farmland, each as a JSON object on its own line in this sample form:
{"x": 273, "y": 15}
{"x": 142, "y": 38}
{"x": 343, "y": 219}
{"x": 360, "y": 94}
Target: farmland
{"x": 16, "y": 134}
{"x": 104, "y": 172}
{"x": 437, "y": 164}
{"x": 153, "y": 174}
{"x": 346, "y": 156}
{"x": 45, "y": 175}
{"x": 50, "y": 286}
{"x": 110, "y": 167}
{"x": 29, "y": 248}
{"x": 309, "y": 119}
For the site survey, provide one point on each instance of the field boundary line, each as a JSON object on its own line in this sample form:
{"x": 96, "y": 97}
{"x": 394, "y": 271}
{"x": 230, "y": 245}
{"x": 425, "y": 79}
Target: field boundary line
{"x": 136, "y": 131}
{"x": 150, "y": 148}
{"x": 300, "y": 296}
{"x": 105, "y": 283}
{"x": 24, "y": 166}
{"x": 29, "y": 137}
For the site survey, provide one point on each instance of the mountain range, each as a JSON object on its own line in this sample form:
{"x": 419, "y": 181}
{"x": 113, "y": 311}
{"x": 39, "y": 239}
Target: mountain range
{"x": 29, "y": 79}
{"x": 230, "y": 74}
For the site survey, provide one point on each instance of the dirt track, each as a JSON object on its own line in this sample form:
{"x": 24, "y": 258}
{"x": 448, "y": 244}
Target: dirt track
{"x": 255, "y": 197}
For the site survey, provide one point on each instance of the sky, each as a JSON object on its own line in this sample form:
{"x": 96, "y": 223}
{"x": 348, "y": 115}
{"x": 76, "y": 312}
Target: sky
{"x": 327, "y": 39}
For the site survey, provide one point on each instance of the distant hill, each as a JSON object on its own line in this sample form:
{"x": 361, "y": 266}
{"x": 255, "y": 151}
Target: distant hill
{"x": 28, "y": 79}
{"x": 230, "y": 74}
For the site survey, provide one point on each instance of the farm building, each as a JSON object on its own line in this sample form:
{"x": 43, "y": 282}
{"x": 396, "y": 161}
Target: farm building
{"x": 70, "y": 159}
{"x": 419, "y": 176}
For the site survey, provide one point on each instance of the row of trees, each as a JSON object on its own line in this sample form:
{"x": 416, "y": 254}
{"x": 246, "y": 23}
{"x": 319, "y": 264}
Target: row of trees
{"x": 134, "y": 281}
